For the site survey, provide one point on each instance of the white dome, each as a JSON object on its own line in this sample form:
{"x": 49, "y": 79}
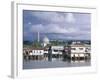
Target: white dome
{"x": 46, "y": 40}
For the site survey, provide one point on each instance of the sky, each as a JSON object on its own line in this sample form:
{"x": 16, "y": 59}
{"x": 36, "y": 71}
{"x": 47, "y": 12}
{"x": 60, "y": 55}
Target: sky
{"x": 56, "y": 25}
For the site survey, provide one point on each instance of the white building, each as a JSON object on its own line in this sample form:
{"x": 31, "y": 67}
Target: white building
{"x": 37, "y": 52}
{"x": 75, "y": 50}
{"x": 80, "y": 50}
{"x": 57, "y": 49}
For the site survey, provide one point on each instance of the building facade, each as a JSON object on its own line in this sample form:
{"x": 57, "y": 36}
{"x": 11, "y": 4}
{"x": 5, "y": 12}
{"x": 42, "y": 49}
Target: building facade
{"x": 79, "y": 51}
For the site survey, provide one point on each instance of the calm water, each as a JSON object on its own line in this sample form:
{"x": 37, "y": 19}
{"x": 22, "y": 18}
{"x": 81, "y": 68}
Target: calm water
{"x": 31, "y": 64}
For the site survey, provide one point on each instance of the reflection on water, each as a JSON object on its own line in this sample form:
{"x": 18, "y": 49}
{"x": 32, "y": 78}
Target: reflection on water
{"x": 55, "y": 63}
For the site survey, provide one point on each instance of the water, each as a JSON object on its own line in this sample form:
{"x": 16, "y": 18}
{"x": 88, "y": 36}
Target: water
{"x": 31, "y": 64}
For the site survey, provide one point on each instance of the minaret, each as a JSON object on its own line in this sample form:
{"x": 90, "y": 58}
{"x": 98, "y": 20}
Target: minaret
{"x": 38, "y": 36}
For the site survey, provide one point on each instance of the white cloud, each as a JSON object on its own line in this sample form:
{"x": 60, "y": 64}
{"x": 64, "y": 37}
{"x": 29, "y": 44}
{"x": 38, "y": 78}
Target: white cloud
{"x": 52, "y": 28}
{"x": 55, "y": 28}
{"x": 59, "y": 23}
{"x": 55, "y": 17}
{"x": 36, "y": 28}
{"x": 72, "y": 30}
{"x": 48, "y": 16}
{"x": 70, "y": 18}
{"x": 68, "y": 33}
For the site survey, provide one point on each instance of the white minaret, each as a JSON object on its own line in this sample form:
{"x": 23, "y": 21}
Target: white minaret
{"x": 38, "y": 36}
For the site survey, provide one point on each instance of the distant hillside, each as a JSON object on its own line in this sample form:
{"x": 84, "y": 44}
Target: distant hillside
{"x": 27, "y": 42}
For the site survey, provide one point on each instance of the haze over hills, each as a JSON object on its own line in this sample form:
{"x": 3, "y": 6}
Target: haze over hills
{"x": 26, "y": 42}
{"x": 54, "y": 36}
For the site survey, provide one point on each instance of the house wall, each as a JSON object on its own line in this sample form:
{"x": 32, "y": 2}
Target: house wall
{"x": 37, "y": 52}
{"x": 56, "y": 49}
{"x": 78, "y": 49}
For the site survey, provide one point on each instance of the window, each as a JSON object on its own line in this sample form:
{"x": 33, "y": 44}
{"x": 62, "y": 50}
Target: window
{"x": 80, "y": 48}
{"x": 73, "y": 48}
{"x": 55, "y": 50}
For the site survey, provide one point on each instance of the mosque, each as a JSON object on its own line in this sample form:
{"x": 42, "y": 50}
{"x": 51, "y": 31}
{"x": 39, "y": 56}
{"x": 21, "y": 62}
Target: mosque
{"x": 46, "y": 41}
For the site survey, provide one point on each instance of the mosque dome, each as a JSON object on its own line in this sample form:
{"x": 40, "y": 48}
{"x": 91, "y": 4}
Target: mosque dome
{"x": 46, "y": 40}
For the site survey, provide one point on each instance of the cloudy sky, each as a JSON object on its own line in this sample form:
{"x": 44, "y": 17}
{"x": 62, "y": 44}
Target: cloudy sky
{"x": 56, "y": 25}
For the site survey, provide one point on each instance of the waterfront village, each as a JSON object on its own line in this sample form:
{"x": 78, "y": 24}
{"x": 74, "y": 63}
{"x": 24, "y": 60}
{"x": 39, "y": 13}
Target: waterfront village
{"x": 50, "y": 50}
